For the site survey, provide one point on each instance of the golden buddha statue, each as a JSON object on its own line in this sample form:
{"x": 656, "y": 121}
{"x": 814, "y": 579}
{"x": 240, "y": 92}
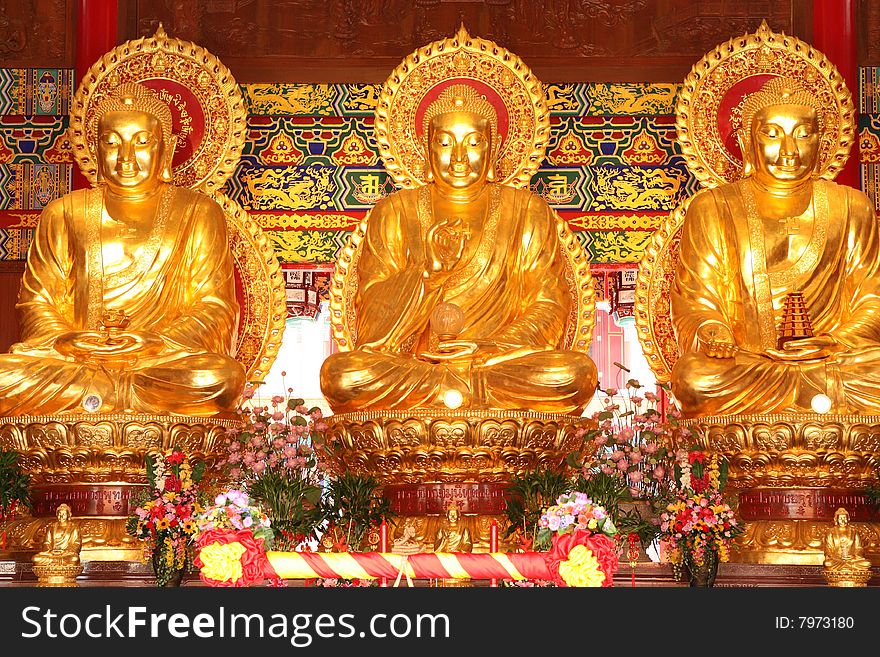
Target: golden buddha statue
{"x": 127, "y": 302}
{"x": 843, "y": 547}
{"x": 462, "y": 297}
{"x": 748, "y": 244}
{"x": 63, "y": 541}
{"x": 453, "y": 535}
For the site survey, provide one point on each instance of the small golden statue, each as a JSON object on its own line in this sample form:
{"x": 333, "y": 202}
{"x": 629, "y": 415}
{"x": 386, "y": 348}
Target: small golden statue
{"x": 453, "y": 535}
{"x": 58, "y": 564}
{"x": 844, "y": 563}
{"x": 796, "y": 323}
{"x": 128, "y": 301}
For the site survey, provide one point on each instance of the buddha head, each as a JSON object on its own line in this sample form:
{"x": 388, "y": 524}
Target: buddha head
{"x": 461, "y": 126}
{"x": 841, "y": 517}
{"x": 135, "y": 144}
{"x": 781, "y": 132}
{"x": 63, "y": 513}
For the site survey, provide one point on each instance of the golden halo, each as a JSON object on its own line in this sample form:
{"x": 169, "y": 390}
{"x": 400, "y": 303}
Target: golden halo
{"x": 653, "y": 312}
{"x": 710, "y": 99}
{"x": 259, "y": 288}
{"x": 206, "y": 105}
{"x": 500, "y": 76}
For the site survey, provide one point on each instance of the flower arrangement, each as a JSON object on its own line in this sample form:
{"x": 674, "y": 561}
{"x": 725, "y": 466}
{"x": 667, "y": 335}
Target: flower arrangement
{"x": 234, "y": 534}
{"x": 233, "y": 511}
{"x": 165, "y": 518}
{"x": 274, "y": 457}
{"x": 582, "y": 552}
{"x": 631, "y": 440}
{"x": 698, "y": 526}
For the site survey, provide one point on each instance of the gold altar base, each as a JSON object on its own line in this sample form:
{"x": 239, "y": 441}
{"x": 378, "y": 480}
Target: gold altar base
{"x": 425, "y": 445}
{"x": 427, "y": 459}
{"x": 847, "y": 578}
{"x": 791, "y": 472}
{"x": 95, "y": 464}
{"x": 57, "y": 575}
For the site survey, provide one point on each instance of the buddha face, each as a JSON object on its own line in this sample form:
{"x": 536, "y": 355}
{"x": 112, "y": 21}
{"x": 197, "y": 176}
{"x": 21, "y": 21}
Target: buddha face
{"x": 131, "y": 150}
{"x": 785, "y": 143}
{"x": 459, "y": 150}
{"x": 63, "y": 514}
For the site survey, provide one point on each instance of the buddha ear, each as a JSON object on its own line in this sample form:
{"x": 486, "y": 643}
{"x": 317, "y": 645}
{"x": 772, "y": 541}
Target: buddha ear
{"x": 430, "y": 175}
{"x": 491, "y": 176}
{"x": 745, "y": 147}
{"x": 167, "y": 174}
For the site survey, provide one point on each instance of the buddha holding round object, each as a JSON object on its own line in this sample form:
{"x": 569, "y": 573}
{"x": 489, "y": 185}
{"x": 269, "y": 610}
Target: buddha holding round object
{"x": 128, "y": 295}
{"x": 462, "y": 286}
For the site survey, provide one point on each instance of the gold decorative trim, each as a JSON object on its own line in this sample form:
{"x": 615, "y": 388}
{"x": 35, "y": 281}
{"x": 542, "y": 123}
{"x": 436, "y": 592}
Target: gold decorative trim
{"x": 262, "y": 324}
{"x": 97, "y": 448}
{"x": 469, "y": 59}
{"x": 167, "y": 62}
{"x": 653, "y": 286}
{"x": 434, "y": 445}
{"x": 763, "y": 53}
{"x": 793, "y": 450}
{"x": 103, "y": 538}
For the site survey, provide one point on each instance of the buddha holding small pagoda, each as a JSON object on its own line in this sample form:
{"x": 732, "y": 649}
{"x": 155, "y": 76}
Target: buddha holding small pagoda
{"x": 747, "y": 244}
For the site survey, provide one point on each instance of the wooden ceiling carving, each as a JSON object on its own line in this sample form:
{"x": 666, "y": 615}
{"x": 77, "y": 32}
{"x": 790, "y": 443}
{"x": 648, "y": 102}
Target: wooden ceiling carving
{"x": 37, "y": 33}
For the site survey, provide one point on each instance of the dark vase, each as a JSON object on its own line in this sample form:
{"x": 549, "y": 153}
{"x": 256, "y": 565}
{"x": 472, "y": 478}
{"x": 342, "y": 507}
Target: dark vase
{"x": 175, "y": 579}
{"x": 703, "y": 574}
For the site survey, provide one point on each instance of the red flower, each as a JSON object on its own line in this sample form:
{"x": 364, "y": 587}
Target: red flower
{"x": 255, "y": 567}
{"x": 175, "y": 458}
{"x": 696, "y": 455}
{"x": 602, "y": 547}
{"x": 172, "y": 483}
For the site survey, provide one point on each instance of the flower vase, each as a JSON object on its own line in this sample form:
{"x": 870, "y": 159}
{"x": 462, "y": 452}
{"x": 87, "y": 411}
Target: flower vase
{"x": 703, "y": 574}
{"x": 174, "y": 579}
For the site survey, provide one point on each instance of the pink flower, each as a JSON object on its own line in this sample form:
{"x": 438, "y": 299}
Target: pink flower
{"x": 302, "y": 410}
{"x": 278, "y": 416}
{"x": 636, "y": 457}
{"x": 600, "y": 440}
{"x": 277, "y": 399}
{"x": 650, "y": 448}
{"x": 249, "y": 458}
{"x": 321, "y": 427}
{"x": 258, "y": 467}
{"x": 248, "y": 393}
{"x": 636, "y": 476}
{"x": 626, "y": 433}
{"x": 650, "y": 396}
{"x": 611, "y": 391}
{"x": 316, "y": 414}
{"x": 616, "y": 455}
{"x": 660, "y": 472}
{"x": 622, "y": 465}
{"x": 607, "y": 469}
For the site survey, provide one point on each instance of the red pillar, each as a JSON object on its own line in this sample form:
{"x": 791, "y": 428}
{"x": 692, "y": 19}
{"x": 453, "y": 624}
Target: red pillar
{"x": 96, "y": 33}
{"x": 835, "y": 35}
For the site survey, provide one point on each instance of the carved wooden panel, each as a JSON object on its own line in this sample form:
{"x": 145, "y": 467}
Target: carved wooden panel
{"x": 10, "y": 282}
{"x": 362, "y": 40}
{"x": 37, "y": 33}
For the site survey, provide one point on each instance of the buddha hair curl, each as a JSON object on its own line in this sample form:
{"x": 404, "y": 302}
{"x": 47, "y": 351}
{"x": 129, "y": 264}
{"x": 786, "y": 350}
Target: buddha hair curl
{"x": 131, "y": 96}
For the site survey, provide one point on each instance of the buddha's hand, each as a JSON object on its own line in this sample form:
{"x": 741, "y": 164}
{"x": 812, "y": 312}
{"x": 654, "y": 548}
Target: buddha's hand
{"x": 444, "y": 245}
{"x": 716, "y": 340}
{"x": 816, "y": 348}
{"x": 99, "y": 346}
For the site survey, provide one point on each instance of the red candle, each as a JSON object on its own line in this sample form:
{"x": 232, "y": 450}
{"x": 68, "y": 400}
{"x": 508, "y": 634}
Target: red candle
{"x": 383, "y": 547}
{"x": 493, "y": 546}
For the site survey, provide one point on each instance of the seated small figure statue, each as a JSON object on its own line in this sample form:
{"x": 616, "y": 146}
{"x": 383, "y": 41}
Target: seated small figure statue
{"x": 843, "y": 547}
{"x": 127, "y": 301}
{"x": 746, "y": 245}
{"x": 453, "y": 535}
{"x": 407, "y": 543}
{"x": 63, "y": 541}
{"x": 482, "y": 258}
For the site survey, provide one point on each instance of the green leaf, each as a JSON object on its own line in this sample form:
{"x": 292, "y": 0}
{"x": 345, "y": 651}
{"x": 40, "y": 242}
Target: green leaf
{"x": 313, "y": 409}
{"x": 198, "y": 471}
{"x": 151, "y": 472}
{"x": 573, "y": 460}
{"x": 605, "y": 415}
{"x": 299, "y": 420}
{"x": 621, "y": 367}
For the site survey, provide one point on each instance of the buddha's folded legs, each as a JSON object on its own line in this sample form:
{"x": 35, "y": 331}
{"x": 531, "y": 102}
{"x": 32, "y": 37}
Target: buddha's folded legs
{"x": 753, "y": 383}
{"x": 549, "y": 381}
{"x": 360, "y": 380}
{"x": 199, "y": 385}
{"x": 44, "y": 386}
{"x": 202, "y": 385}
